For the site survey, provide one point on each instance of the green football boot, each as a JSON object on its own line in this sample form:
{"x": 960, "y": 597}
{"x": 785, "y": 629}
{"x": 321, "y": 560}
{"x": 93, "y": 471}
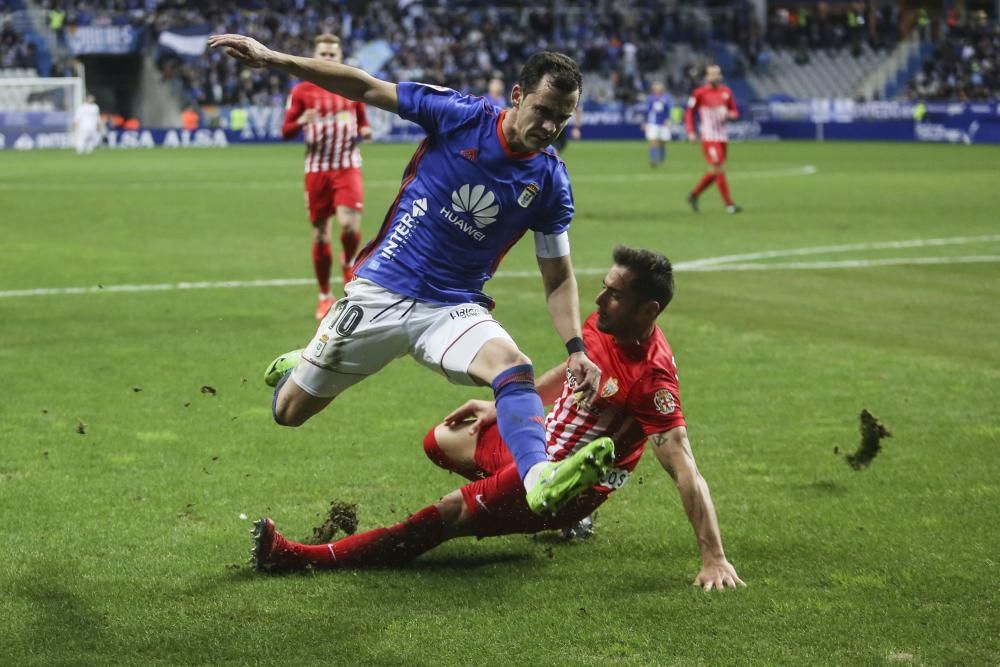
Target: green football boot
{"x": 564, "y": 480}
{"x": 283, "y": 364}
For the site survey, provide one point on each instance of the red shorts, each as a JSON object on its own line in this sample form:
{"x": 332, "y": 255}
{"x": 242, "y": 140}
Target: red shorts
{"x": 715, "y": 151}
{"x": 326, "y": 190}
{"x": 497, "y": 503}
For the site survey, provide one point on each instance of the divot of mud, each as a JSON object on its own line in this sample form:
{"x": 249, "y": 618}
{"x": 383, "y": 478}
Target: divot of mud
{"x": 872, "y": 433}
{"x": 341, "y": 517}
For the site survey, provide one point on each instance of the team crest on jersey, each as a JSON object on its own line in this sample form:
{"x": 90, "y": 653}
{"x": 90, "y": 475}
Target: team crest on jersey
{"x": 320, "y": 345}
{"x": 664, "y": 401}
{"x": 527, "y": 195}
{"x": 610, "y": 388}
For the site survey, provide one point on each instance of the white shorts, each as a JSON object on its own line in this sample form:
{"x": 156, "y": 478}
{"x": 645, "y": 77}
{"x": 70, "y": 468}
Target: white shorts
{"x": 656, "y": 132}
{"x": 372, "y": 326}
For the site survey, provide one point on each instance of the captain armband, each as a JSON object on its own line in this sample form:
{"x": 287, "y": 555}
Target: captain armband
{"x": 548, "y": 246}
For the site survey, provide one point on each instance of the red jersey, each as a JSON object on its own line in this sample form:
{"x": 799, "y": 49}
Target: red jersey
{"x": 713, "y": 106}
{"x": 639, "y": 397}
{"x": 332, "y": 140}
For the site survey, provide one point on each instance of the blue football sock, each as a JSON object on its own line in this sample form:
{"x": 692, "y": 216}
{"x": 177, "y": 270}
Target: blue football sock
{"x": 520, "y": 416}
{"x": 663, "y": 154}
{"x": 653, "y": 152}
{"x": 274, "y": 401}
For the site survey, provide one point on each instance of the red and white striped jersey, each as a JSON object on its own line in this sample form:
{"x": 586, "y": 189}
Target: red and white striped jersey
{"x": 713, "y": 105}
{"x": 332, "y": 140}
{"x": 639, "y": 397}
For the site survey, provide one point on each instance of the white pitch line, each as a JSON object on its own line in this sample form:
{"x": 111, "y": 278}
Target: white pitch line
{"x": 847, "y": 263}
{"x": 286, "y": 184}
{"x": 690, "y": 266}
{"x": 822, "y": 250}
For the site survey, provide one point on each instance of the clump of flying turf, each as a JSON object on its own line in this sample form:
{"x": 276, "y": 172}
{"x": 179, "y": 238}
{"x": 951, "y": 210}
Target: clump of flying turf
{"x": 340, "y": 517}
{"x": 872, "y": 433}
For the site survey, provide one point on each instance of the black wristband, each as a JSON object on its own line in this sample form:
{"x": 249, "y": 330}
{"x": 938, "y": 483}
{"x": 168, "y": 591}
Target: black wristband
{"x": 574, "y": 345}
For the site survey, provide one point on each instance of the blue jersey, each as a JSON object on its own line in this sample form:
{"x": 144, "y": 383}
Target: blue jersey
{"x": 465, "y": 200}
{"x": 658, "y": 108}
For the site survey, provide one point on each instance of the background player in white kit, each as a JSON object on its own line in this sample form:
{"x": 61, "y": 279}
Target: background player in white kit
{"x": 475, "y": 185}
{"x": 87, "y": 127}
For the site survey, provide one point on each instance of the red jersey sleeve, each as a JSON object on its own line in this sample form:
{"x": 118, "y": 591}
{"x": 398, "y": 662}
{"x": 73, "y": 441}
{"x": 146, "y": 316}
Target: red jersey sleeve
{"x": 731, "y": 104}
{"x": 655, "y": 402}
{"x": 294, "y": 108}
{"x": 689, "y": 112}
{"x": 362, "y": 113}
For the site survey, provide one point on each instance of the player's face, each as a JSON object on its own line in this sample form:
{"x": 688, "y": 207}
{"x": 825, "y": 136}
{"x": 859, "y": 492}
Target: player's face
{"x": 713, "y": 75}
{"x": 329, "y": 51}
{"x": 617, "y": 306}
{"x": 657, "y": 88}
{"x": 539, "y": 116}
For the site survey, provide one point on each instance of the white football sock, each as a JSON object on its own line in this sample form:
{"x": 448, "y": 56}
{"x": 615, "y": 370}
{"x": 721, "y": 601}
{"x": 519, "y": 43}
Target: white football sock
{"x": 534, "y": 474}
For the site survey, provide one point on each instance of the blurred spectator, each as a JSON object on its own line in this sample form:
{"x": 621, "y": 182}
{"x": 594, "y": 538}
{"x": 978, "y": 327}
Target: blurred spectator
{"x": 964, "y": 66}
{"x": 190, "y": 119}
{"x": 464, "y": 44}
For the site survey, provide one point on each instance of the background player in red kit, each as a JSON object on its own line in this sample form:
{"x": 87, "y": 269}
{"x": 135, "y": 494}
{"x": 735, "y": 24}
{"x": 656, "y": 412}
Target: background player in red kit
{"x": 716, "y": 106}
{"x": 332, "y": 125}
{"x": 639, "y": 402}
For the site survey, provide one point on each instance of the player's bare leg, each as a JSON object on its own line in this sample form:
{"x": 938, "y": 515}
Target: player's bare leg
{"x": 349, "y": 220}
{"x": 322, "y": 261}
{"x": 453, "y": 447}
{"x": 293, "y": 405}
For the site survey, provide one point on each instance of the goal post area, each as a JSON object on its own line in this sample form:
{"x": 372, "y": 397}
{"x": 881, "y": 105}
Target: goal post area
{"x": 38, "y": 110}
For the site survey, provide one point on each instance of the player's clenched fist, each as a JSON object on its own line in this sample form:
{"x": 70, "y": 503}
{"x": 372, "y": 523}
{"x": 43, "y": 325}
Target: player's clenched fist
{"x": 247, "y": 50}
{"x": 587, "y": 375}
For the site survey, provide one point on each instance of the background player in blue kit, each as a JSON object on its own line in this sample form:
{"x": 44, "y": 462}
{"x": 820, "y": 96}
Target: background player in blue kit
{"x": 658, "y": 105}
{"x": 475, "y": 185}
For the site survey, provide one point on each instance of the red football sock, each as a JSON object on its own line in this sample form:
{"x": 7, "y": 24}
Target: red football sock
{"x": 322, "y": 261}
{"x": 720, "y": 180}
{"x": 350, "y": 241}
{"x": 705, "y": 181}
{"x": 383, "y": 546}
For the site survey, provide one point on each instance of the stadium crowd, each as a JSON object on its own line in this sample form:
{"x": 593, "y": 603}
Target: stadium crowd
{"x": 464, "y": 43}
{"x": 460, "y": 47}
{"x": 964, "y": 66}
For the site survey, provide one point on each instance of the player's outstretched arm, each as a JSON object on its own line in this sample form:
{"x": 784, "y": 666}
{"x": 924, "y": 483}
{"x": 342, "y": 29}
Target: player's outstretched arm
{"x": 350, "y": 82}
{"x": 563, "y": 298}
{"x": 673, "y": 451}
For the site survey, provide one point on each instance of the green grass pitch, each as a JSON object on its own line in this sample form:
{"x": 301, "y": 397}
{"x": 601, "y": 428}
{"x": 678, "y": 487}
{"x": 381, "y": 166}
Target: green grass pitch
{"x": 125, "y": 544}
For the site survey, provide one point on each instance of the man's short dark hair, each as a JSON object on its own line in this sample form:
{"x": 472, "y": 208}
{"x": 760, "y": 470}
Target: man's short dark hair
{"x": 563, "y": 73}
{"x": 652, "y": 274}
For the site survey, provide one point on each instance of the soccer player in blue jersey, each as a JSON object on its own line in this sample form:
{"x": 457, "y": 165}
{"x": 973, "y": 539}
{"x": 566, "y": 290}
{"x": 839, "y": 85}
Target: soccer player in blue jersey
{"x": 475, "y": 185}
{"x": 658, "y": 105}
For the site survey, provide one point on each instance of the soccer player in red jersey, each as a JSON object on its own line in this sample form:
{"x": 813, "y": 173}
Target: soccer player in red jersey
{"x": 639, "y": 402}
{"x": 332, "y": 126}
{"x": 715, "y": 105}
